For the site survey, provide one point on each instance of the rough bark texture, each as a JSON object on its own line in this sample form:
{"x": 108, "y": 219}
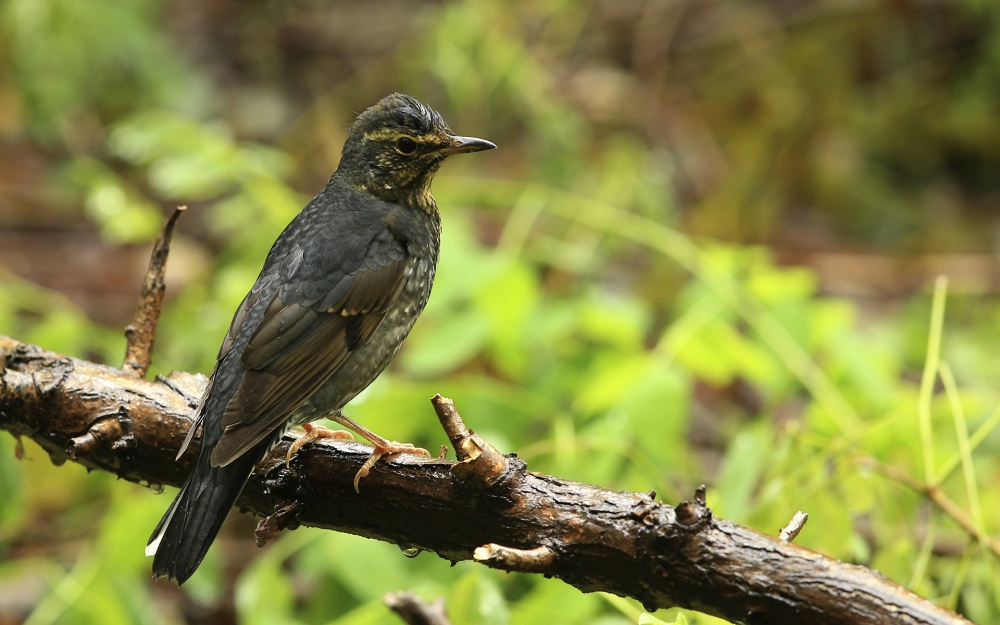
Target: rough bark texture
{"x": 494, "y": 512}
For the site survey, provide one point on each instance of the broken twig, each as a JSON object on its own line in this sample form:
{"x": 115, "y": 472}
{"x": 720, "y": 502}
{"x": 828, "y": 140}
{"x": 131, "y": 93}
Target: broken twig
{"x": 141, "y": 333}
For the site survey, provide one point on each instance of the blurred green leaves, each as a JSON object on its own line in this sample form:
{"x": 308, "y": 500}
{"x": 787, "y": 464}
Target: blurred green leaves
{"x": 106, "y": 57}
{"x": 575, "y": 318}
{"x": 123, "y": 215}
{"x": 193, "y": 161}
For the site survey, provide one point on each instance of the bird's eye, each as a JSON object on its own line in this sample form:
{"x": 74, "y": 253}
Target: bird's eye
{"x": 406, "y": 146}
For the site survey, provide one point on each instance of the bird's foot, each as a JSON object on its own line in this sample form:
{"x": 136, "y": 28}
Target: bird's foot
{"x": 314, "y": 432}
{"x": 384, "y": 447}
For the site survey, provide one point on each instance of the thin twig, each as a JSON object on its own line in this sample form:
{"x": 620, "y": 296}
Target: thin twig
{"x": 414, "y": 610}
{"x": 795, "y": 525}
{"x": 141, "y": 333}
{"x": 937, "y": 496}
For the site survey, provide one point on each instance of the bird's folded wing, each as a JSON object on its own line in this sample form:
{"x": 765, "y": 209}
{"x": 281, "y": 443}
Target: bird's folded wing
{"x": 302, "y": 341}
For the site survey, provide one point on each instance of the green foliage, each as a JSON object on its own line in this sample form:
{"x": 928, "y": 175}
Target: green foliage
{"x": 106, "y": 57}
{"x": 123, "y": 215}
{"x": 573, "y": 320}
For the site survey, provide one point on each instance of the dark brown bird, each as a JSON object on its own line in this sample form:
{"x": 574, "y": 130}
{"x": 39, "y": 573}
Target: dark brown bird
{"x": 338, "y": 293}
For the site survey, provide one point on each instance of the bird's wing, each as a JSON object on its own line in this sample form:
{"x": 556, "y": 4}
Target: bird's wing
{"x": 305, "y": 336}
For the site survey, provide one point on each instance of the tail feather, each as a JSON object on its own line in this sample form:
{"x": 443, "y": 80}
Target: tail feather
{"x": 191, "y": 523}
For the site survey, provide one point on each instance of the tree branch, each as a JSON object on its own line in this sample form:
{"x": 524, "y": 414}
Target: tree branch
{"x": 794, "y": 526}
{"x": 414, "y": 610}
{"x": 141, "y": 333}
{"x": 482, "y": 507}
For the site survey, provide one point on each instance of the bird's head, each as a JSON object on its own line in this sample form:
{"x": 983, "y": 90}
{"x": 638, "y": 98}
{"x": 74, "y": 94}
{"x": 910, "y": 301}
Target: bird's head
{"x": 397, "y": 145}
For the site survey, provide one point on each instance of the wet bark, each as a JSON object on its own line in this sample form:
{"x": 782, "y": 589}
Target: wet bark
{"x": 486, "y": 507}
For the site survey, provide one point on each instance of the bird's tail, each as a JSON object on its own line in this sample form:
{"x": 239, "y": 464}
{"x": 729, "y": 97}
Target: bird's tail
{"x": 193, "y": 520}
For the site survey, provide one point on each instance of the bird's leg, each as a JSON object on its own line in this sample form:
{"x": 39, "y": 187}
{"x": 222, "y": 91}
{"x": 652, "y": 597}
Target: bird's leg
{"x": 383, "y": 447}
{"x": 314, "y": 432}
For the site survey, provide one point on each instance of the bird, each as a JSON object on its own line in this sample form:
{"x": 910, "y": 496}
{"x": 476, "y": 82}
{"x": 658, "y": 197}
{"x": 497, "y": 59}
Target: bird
{"x": 338, "y": 293}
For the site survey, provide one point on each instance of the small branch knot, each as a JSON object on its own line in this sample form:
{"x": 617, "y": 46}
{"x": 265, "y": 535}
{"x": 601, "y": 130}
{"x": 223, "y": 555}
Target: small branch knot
{"x": 537, "y": 560}
{"x": 105, "y": 431}
{"x": 283, "y": 517}
{"x": 50, "y": 377}
{"x": 690, "y": 514}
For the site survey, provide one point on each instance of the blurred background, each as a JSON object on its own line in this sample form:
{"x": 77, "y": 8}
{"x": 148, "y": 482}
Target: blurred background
{"x": 704, "y": 253}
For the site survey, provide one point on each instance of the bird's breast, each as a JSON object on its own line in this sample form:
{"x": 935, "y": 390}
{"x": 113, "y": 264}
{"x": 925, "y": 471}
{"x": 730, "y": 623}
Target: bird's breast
{"x": 369, "y": 359}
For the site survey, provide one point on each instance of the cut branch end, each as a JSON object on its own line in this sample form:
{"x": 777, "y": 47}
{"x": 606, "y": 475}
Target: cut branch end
{"x": 537, "y": 560}
{"x": 478, "y": 461}
{"x": 795, "y": 525}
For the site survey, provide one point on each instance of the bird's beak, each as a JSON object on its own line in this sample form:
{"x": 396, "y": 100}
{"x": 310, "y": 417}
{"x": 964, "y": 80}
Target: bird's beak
{"x": 461, "y": 145}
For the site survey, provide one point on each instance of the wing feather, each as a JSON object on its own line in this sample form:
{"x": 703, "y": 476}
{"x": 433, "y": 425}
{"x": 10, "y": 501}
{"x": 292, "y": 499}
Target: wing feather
{"x": 238, "y": 319}
{"x": 296, "y": 347}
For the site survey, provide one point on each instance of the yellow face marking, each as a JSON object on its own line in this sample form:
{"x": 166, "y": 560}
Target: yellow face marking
{"x": 385, "y": 134}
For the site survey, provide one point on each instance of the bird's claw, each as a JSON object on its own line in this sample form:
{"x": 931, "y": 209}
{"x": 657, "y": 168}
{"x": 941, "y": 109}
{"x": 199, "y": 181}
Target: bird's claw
{"x": 390, "y": 449}
{"x": 314, "y": 432}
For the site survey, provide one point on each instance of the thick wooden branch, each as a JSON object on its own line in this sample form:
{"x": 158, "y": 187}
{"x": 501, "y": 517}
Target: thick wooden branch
{"x": 486, "y": 507}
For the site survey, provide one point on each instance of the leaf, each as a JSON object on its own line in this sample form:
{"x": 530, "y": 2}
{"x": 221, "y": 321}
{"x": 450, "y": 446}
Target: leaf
{"x": 453, "y": 341}
{"x": 372, "y": 613}
{"x": 612, "y": 377}
{"x": 339, "y": 555}
{"x": 13, "y": 511}
{"x": 475, "y": 599}
{"x": 657, "y": 408}
{"x": 618, "y": 321}
{"x": 553, "y": 601}
{"x": 741, "y": 470}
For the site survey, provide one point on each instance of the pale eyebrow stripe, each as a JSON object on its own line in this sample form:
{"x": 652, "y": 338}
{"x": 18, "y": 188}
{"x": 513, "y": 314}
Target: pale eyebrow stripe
{"x": 383, "y": 134}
